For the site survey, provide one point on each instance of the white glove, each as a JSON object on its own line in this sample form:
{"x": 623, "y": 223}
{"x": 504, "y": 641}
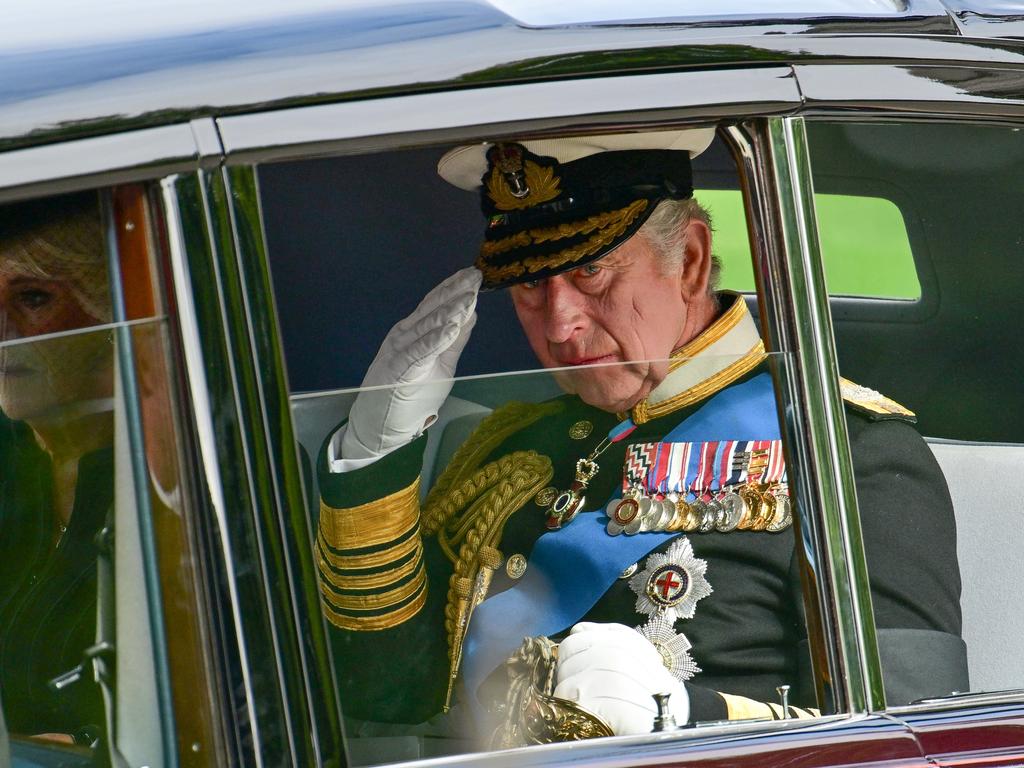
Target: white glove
{"x": 613, "y": 671}
{"x": 412, "y": 371}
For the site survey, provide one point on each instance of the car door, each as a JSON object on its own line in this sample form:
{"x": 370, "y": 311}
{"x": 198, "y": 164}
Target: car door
{"x": 338, "y": 175}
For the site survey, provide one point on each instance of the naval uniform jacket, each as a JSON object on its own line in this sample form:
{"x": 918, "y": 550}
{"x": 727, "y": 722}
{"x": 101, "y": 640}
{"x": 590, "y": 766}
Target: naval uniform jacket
{"x": 47, "y": 592}
{"x": 386, "y": 585}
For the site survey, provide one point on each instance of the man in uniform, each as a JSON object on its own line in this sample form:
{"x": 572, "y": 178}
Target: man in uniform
{"x": 635, "y": 531}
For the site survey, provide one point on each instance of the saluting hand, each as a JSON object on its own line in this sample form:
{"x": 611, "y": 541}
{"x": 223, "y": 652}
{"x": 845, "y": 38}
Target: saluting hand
{"x": 410, "y": 377}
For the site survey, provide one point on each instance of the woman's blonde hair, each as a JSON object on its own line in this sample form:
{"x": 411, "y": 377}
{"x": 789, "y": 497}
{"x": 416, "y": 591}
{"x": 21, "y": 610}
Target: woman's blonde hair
{"x": 60, "y": 238}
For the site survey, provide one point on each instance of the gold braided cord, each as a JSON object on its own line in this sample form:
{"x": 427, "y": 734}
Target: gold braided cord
{"x": 463, "y": 520}
{"x": 558, "y": 232}
{"x": 374, "y": 623}
{"x": 489, "y": 434}
{"x": 378, "y": 600}
{"x": 579, "y": 251}
{"x": 467, "y": 498}
{"x": 644, "y": 412}
{"x": 716, "y": 331}
{"x": 514, "y": 480}
{"x": 376, "y": 522}
{"x": 377, "y": 559}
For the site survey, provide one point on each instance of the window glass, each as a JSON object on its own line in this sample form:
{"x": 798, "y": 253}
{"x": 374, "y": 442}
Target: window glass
{"x": 864, "y": 244}
{"x": 57, "y": 439}
{"x": 945, "y": 372}
{"x": 84, "y": 378}
{"x": 484, "y": 481}
{"x": 443, "y": 491}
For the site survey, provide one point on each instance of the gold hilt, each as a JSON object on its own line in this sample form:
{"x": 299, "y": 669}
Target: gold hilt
{"x": 470, "y": 593}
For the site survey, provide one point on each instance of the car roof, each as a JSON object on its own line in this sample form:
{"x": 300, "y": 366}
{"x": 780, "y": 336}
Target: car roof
{"x": 69, "y": 69}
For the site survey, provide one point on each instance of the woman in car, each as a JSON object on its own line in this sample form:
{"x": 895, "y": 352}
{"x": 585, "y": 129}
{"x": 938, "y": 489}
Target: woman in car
{"x": 56, "y": 464}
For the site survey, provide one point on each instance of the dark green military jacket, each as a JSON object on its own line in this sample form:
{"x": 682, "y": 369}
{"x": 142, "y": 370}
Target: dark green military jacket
{"x": 387, "y": 573}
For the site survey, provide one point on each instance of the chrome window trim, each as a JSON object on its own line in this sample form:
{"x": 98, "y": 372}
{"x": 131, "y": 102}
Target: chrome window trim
{"x": 742, "y": 742}
{"x": 238, "y": 425}
{"x": 202, "y": 419}
{"x": 824, "y": 418}
{"x": 936, "y": 90}
{"x": 795, "y": 312}
{"x": 318, "y": 717}
{"x": 1010, "y": 698}
{"x": 115, "y": 159}
{"x": 608, "y": 103}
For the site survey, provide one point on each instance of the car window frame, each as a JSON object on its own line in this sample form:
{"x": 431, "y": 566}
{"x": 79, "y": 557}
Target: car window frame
{"x": 365, "y": 126}
{"x": 1006, "y": 113}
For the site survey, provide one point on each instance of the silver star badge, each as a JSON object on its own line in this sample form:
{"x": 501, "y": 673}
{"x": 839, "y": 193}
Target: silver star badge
{"x": 673, "y": 647}
{"x": 671, "y": 583}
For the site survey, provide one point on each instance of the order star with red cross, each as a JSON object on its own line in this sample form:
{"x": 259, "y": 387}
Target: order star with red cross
{"x": 667, "y": 585}
{"x": 671, "y": 582}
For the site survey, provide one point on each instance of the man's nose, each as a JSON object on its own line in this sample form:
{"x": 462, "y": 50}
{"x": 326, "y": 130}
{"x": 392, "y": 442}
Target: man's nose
{"x": 564, "y": 309}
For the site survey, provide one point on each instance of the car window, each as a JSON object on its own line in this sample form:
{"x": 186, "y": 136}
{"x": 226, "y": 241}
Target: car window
{"x": 424, "y": 525}
{"x": 90, "y": 467}
{"x": 864, "y": 244}
{"x": 945, "y": 372}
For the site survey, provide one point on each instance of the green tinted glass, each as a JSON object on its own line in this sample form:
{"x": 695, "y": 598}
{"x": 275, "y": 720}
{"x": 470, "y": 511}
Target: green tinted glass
{"x": 863, "y": 242}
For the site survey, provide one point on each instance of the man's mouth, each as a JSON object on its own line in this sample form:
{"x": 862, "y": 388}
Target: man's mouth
{"x": 575, "y": 361}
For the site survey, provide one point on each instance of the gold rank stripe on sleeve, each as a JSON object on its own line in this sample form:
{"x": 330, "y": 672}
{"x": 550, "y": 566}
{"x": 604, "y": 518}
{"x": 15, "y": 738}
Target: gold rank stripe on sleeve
{"x": 370, "y": 560}
{"x": 742, "y": 708}
{"x": 397, "y": 598}
{"x": 377, "y": 522}
{"x": 367, "y": 621}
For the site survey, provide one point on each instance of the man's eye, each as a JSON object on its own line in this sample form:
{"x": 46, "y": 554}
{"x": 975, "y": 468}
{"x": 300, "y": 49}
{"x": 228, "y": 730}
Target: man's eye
{"x": 34, "y": 298}
{"x": 530, "y": 283}
{"x": 590, "y": 270}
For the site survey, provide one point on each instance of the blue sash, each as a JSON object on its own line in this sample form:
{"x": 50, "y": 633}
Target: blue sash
{"x": 571, "y": 568}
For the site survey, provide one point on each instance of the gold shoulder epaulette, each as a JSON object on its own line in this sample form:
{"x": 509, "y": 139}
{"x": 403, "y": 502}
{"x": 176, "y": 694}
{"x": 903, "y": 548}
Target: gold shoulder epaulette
{"x": 872, "y": 404}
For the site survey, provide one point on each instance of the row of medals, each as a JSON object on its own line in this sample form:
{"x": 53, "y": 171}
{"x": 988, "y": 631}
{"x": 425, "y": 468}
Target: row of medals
{"x": 748, "y": 507}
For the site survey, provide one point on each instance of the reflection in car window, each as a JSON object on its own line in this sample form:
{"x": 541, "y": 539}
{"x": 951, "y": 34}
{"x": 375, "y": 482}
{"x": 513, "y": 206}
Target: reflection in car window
{"x": 73, "y": 607}
{"x": 56, "y": 437}
{"x": 625, "y": 510}
{"x": 950, "y": 371}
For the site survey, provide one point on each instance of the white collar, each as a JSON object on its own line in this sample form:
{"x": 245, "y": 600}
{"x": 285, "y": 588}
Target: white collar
{"x": 726, "y": 350}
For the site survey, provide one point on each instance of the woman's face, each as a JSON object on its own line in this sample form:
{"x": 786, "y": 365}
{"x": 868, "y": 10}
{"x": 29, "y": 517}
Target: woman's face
{"x": 42, "y": 374}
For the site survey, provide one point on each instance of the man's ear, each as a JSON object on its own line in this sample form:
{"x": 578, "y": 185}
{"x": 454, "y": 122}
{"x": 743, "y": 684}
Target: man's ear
{"x": 695, "y": 270}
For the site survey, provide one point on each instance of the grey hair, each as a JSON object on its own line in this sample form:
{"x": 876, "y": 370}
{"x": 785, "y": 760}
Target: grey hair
{"x": 60, "y": 238}
{"x": 664, "y": 231}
